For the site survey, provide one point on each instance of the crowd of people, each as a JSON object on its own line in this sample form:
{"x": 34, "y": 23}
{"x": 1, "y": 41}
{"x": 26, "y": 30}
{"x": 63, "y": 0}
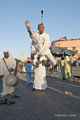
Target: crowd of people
{"x": 39, "y": 53}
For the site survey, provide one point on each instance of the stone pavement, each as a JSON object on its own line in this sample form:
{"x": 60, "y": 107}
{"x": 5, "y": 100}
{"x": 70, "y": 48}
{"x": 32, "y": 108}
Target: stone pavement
{"x": 51, "y": 104}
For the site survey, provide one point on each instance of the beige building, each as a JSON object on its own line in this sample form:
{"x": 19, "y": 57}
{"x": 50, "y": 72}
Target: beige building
{"x": 22, "y": 58}
{"x": 72, "y": 44}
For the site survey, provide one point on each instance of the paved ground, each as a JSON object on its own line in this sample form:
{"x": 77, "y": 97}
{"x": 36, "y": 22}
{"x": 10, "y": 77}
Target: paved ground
{"x": 51, "y": 104}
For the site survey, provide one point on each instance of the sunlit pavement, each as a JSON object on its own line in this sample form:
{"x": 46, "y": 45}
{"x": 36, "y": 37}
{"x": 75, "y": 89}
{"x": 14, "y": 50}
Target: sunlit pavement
{"x": 51, "y": 104}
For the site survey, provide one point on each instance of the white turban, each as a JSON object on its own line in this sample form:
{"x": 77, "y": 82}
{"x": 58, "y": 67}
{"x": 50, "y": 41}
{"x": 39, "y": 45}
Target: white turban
{"x": 67, "y": 58}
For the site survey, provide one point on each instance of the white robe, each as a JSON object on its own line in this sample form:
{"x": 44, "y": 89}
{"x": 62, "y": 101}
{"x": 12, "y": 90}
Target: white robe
{"x": 40, "y": 82}
{"x": 40, "y": 45}
{"x": 11, "y": 63}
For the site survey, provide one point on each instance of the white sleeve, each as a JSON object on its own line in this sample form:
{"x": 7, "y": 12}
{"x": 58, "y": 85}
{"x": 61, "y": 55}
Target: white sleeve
{"x": 34, "y": 37}
{"x": 33, "y": 49}
{"x": 35, "y": 60}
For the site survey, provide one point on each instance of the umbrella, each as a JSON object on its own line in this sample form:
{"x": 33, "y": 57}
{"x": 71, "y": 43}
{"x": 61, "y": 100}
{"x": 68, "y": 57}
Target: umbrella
{"x": 59, "y": 51}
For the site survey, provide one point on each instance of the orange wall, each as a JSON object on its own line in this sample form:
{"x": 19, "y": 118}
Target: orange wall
{"x": 68, "y": 44}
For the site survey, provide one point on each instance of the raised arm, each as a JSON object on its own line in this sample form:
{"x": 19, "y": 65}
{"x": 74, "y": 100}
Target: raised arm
{"x": 28, "y": 27}
{"x": 32, "y": 34}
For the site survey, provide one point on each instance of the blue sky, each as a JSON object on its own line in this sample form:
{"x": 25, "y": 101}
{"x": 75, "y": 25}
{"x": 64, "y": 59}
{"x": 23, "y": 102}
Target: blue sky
{"x": 61, "y": 18}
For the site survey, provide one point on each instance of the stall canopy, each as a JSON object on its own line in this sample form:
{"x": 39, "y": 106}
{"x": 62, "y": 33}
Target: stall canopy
{"x": 18, "y": 60}
{"x": 59, "y": 51}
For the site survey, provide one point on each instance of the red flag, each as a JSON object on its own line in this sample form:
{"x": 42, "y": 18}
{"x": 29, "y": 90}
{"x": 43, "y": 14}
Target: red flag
{"x": 63, "y": 38}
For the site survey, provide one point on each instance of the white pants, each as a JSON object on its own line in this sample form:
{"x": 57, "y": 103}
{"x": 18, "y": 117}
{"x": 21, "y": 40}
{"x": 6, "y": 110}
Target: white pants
{"x": 48, "y": 54}
{"x": 51, "y": 58}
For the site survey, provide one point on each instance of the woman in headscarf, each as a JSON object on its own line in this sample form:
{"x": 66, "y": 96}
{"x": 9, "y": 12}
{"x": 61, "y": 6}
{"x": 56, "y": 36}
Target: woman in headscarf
{"x": 67, "y": 68}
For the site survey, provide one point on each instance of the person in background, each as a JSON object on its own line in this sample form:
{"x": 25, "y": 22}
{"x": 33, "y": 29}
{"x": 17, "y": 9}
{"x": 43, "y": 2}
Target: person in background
{"x": 28, "y": 69}
{"x": 71, "y": 60}
{"x": 17, "y": 68}
{"x": 11, "y": 63}
{"x": 67, "y": 68}
{"x": 62, "y": 68}
{"x": 40, "y": 82}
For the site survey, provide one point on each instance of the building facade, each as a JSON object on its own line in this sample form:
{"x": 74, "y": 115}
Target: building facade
{"x": 22, "y": 57}
{"x": 72, "y": 44}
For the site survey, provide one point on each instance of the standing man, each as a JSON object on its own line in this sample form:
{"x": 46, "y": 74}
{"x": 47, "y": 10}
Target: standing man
{"x": 62, "y": 68}
{"x": 11, "y": 63}
{"x": 28, "y": 69}
{"x": 40, "y": 82}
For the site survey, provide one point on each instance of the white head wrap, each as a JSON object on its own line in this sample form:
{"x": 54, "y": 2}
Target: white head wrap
{"x": 67, "y": 58}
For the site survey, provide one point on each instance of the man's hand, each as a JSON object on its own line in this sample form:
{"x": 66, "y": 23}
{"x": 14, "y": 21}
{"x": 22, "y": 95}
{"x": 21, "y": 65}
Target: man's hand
{"x": 11, "y": 70}
{"x": 28, "y": 27}
{"x": 44, "y": 62}
{"x": 27, "y": 23}
{"x": 37, "y": 64}
{"x": 39, "y": 56}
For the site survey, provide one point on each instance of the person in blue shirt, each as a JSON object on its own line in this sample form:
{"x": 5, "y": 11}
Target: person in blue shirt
{"x": 28, "y": 71}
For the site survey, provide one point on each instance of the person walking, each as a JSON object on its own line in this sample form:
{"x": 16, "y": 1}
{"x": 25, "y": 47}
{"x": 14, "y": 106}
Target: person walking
{"x": 28, "y": 69}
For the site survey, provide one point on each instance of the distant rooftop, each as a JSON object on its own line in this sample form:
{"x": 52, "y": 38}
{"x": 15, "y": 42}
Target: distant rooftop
{"x": 62, "y": 39}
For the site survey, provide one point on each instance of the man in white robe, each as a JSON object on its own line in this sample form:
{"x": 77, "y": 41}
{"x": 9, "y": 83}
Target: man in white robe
{"x": 40, "y": 46}
{"x": 40, "y": 42}
{"x": 11, "y": 63}
{"x": 40, "y": 82}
